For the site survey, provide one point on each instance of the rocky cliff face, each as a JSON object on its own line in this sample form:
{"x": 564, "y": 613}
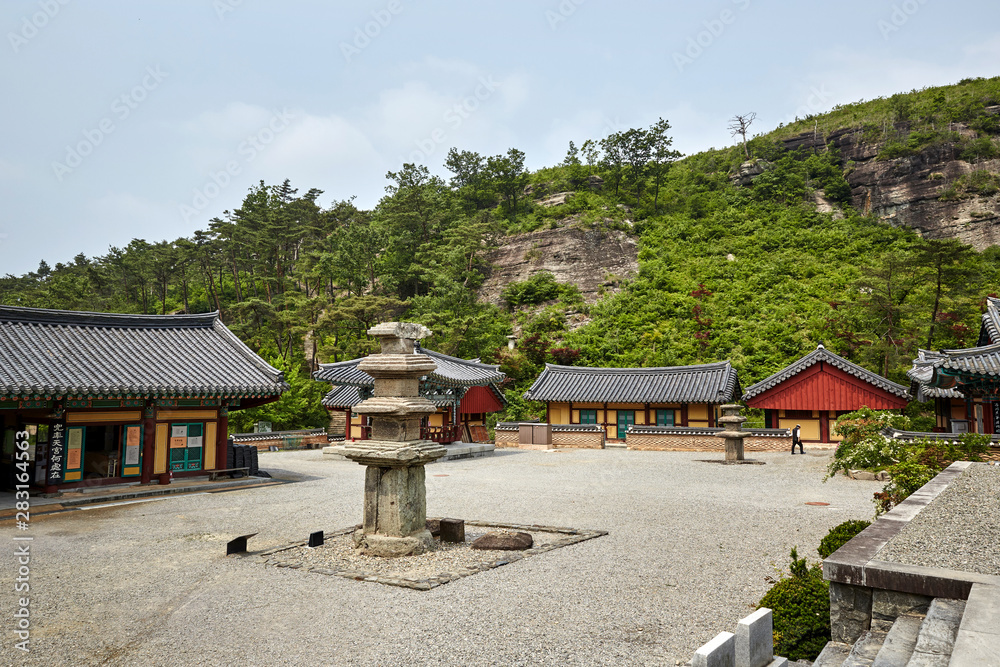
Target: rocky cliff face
{"x": 919, "y": 190}
{"x": 594, "y": 260}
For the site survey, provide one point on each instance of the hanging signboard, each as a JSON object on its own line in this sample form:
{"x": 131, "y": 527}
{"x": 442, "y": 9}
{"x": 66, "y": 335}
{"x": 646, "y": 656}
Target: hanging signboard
{"x": 133, "y": 445}
{"x": 57, "y": 452}
{"x": 74, "y": 454}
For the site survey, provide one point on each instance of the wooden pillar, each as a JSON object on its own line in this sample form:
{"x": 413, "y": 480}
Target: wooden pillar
{"x": 605, "y": 420}
{"x": 548, "y": 419}
{"x": 647, "y": 415}
{"x": 148, "y": 441}
{"x": 684, "y": 414}
{"x": 221, "y": 439}
{"x": 824, "y": 425}
{"x": 347, "y": 425}
{"x": 711, "y": 415}
{"x": 571, "y": 412}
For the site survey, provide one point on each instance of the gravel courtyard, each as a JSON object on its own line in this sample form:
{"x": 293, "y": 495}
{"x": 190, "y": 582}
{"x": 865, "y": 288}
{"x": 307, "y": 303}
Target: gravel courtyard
{"x": 689, "y": 547}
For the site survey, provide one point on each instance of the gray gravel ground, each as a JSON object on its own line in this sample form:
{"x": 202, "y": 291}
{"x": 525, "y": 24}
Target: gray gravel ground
{"x": 689, "y": 548}
{"x": 959, "y": 530}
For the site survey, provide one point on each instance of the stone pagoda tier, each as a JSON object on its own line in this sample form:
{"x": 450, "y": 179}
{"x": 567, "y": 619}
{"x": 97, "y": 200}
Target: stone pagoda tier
{"x": 395, "y": 512}
{"x": 732, "y": 423}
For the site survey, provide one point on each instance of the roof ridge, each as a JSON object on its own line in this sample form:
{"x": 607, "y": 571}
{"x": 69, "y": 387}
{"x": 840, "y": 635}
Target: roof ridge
{"x": 643, "y": 369}
{"x": 86, "y": 318}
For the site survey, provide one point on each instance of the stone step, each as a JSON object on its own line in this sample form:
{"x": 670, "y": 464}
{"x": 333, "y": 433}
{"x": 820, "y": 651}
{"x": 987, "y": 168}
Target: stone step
{"x": 865, "y": 649}
{"x": 936, "y": 638}
{"x": 833, "y": 655}
{"x": 978, "y": 641}
{"x": 899, "y": 642}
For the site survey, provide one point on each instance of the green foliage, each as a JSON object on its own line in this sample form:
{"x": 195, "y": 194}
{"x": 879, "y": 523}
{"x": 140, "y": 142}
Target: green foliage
{"x": 800, "y": 605}
{"x": 840, "y": 535}
{"x": 907, "y": 477}
{"x": 539, "y": 288}
{"x": 299, "y": 407}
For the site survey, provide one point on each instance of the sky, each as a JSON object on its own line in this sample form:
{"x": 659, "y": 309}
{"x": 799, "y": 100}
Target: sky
{"x": 135, "y": 119}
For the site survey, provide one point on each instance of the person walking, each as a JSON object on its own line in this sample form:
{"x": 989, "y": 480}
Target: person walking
{"x": 796, "y": 440}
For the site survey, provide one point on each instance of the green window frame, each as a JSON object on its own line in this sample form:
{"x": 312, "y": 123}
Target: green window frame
{"x": 588, "y": 416}
{"x": 665, "y": 418}
{"x": 191, "y": 455}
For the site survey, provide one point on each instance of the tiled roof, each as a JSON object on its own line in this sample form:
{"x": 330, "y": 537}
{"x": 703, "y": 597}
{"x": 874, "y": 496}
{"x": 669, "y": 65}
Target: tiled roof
{"x": 705, "y": 383}
{"x": 940, "y": 369}
{"x": 823, "y": 354}
{"x": 67, "y": 353}
{"x": 989, "y": 332}
{"x": 277, "y": 435}
{"x": 450, "y": 372}
{"x": 342, "y": 396}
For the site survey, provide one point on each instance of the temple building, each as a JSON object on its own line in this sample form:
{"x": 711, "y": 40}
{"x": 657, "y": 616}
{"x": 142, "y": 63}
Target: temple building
{"x": 962, "y": 383}
{"x": 103, "y": 398}
{"x": 463, "y": 390}
{"x": 616, "y": 398}
{"x": 816, "y": 389}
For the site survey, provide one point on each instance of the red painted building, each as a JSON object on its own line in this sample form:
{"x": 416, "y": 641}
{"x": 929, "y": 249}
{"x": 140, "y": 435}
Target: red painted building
{"x": 817, "y": 389}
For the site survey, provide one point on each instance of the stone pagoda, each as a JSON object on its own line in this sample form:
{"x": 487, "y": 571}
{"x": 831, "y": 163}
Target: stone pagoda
{"x": 395, "y": 514}
{"x": 732, "y": 423}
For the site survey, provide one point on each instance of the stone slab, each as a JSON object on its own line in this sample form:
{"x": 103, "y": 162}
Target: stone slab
{"x": 755, "y": 639}
{"x": 720, "y": 652}
{"x": 939, "y": 629}
{"x": 982, "y": 610}
{"x": 976, "y": 648}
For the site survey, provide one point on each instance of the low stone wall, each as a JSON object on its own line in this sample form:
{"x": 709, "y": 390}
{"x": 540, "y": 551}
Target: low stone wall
{"x": 579, "y": 439}
{"x": 306, "y": 439}
{"x": 679, "y": 439}
{"x": 505, "y": 437}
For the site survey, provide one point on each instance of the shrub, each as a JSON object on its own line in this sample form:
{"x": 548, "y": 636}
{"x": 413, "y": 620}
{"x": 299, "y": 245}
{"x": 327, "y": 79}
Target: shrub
{"x": 800, "y": 605}
{"x": 840, "y": 535}
{"x": 907, "y": 477}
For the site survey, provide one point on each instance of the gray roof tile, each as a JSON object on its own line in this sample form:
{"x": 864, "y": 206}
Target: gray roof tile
{"x": 825, "y": 355}
{"x": 69, "y": 353}
{"x": 705, "y": 383}
{"x": 450, "y": 372}
{"x": 937, "y": 370}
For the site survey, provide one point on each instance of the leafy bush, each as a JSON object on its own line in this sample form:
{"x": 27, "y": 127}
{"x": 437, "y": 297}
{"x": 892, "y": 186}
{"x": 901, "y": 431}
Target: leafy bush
{"x": 539, "y": 288}
{"x": 840, "y": 535}
{"x": 801, "y": 609}
{"x": 907, "y": 477}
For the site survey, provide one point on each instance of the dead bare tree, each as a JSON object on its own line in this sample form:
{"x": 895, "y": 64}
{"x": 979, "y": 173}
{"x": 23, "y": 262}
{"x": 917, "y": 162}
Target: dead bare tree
{"x": 739, "y": 124}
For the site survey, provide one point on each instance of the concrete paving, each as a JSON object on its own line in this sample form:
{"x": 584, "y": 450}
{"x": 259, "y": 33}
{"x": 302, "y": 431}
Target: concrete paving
{"x": 689, "y": 548}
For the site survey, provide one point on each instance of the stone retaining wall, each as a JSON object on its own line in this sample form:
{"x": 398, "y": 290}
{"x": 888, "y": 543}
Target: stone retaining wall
{"x": 578, "y": 439}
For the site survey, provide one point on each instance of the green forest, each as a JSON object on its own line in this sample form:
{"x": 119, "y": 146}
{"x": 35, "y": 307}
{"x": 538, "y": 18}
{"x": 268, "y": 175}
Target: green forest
{"x": 750, "y": 273}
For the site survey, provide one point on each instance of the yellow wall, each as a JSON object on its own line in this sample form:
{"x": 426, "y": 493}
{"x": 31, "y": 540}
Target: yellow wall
{"x": 810, "y": 427}
{"x": 160, "y": 449}
{"x": 209, "y": 445}
{"x": 698, "y": 412}
{"x": 103, "y": 416}
{"x": 559, "y": 413}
